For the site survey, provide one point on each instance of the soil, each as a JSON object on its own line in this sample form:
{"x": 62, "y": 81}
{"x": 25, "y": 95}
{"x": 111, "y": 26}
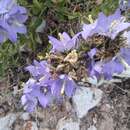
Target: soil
{"x": 113, "y": 113}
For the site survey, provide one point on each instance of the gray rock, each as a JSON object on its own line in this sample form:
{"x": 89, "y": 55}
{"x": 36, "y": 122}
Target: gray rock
{"x": 7, "y": 121}
{"x": 25, "y": 116}
{"x": 34, "y": 126}
{"x": 92, "y": 128}
{"x": 85, "y": 99}
{"x": 68, "y": 124}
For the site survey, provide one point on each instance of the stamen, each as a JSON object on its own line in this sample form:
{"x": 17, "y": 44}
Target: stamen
{"x": 44, "y": 90}
{"x": 61, "y": 36}
{"x": 63, "y": 88}
{"x": 114, "y": 24}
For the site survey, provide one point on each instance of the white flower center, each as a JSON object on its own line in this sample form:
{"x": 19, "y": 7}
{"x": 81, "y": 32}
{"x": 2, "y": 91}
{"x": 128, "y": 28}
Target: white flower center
{"x": 113, "y": 25}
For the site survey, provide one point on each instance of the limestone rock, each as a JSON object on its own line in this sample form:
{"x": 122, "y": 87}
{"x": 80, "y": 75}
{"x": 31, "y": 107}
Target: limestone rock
{"x": 85, "y": 99}
{"x": 7, "y": 121}
{"x": 68, "y": 124}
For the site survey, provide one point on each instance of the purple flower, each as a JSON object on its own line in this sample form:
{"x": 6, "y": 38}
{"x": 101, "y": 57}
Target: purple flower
{"x": 88, "y": 30}
{"x": 43, "y": 88}
{"x": 29, "y": 102}
{"x": 125, "y": 54}
{"x": 63, "y": 85}
{"x": 112, "y": 25}
{"x": 111, "y": 67}
{"x": 92, "y": 53}
{"x": 124, "y": 5}
{"x": 94, "y": 68}
{"x": 43, "y": 93}
{"x": 65, "y": 43}
{"x": 35, "y": 93}
{"x": 39, "y": 69}
{"x": 12, "y": 19}
{"x": 103, "y": 68}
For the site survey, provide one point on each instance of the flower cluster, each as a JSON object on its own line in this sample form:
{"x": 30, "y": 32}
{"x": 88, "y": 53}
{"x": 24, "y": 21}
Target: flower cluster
{"x": 12, "y": 18}
{"x": 44, "y": 87}
{"x": 109, "y": 26}
{"x": 76, "y": 59}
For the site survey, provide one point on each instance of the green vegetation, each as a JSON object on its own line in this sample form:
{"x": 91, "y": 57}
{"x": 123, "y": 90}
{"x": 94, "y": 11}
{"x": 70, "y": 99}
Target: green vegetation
{"x": 47, "y": 17}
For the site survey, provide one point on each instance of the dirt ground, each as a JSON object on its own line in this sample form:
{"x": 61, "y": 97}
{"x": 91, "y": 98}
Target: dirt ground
{"x": 113, "y": 113}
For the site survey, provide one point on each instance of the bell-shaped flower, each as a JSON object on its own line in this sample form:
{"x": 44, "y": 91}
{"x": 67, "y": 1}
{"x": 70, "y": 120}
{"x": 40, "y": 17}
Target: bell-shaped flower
{"x": 12, "y": 19}
{"x": 38, "y": 69}
{"x": 64, "y": 85}
{"x": 88, "y": 30}
{"x": 65, "y": 43}
{"x": 111, "y": 25}
{"x": 34, "y": 93}
{"x": 94, "y": 68}
{"x": 112, "y": 67}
